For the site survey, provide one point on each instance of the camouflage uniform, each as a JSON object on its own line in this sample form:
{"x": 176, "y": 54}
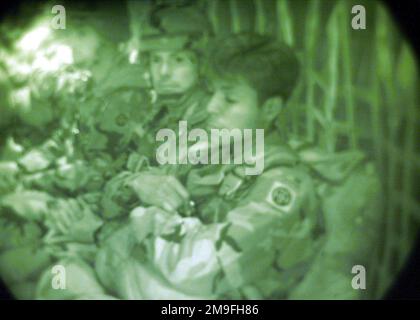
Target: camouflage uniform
{"x": 239, "y": 237}
{"x": 176, "y": 28}
{"x": 115, "y": 137}
{"x": 249, "y": 237}
{"x": 33, "y": 169}
{"x": 48, "y": 156}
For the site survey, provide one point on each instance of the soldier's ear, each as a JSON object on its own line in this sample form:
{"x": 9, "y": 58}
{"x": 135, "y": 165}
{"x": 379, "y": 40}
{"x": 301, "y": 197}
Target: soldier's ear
{"x": 270, "y": 110}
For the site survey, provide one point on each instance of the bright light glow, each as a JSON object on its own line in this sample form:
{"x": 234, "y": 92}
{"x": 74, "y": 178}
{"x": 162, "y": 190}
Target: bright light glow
{"x": 53, "y": 58}
{"x": 133, "y": 56}
{"x": 18, "y": 67}
{"x": 33, "y": 39}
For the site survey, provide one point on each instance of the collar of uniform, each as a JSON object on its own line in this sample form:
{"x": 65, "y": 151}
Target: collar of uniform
{"x": 182, "y": 107}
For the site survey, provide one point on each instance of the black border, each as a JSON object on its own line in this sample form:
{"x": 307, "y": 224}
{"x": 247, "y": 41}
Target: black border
{"x": 407, "y": 285}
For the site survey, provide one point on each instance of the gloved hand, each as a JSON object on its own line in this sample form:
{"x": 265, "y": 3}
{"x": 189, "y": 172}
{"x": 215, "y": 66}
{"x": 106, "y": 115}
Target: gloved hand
{"x": 71, "y": 220}
{"x": 162, "y": 191}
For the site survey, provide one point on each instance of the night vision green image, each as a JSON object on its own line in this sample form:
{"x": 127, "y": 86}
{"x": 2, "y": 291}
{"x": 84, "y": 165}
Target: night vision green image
{"x": 208, "y": 149}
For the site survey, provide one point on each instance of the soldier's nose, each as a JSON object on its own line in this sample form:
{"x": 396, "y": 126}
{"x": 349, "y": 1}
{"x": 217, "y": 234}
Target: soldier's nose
{"x": 164, "y": 69}
{"x": 215, "y": 103}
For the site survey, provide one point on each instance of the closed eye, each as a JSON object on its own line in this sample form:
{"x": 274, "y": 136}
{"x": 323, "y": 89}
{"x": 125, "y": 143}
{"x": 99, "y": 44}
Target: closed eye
{"x": 156, "y": 59}
{"x": 230, "y": 100}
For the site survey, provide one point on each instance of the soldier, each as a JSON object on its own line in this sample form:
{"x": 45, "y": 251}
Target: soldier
{"x": 53, "y": 189}
{"x": 214, "y": 241}
{"x": 125, "y": 122}
{"x": 249, "y": 237}
{"x": 35, "y": 172}
{"x": 115, "y": 130}
{"x": 173, "y": 49}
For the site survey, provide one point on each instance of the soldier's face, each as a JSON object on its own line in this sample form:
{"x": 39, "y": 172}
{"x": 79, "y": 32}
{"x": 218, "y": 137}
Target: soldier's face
{"x": 173, "y": 72}
{"x": 234, "y": 104}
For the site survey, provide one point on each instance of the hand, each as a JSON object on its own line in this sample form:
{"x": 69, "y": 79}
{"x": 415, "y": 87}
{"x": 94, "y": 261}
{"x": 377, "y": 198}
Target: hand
{"x": 77, "y": 175}
{"x": 73, "y": 219}
{"x": 28, "y": 204}
{"x": 157, "y": 190}
{"x": 63, "y": 214}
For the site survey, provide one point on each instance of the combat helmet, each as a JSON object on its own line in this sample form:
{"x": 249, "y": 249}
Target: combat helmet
{"x": 173, "y": 27}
